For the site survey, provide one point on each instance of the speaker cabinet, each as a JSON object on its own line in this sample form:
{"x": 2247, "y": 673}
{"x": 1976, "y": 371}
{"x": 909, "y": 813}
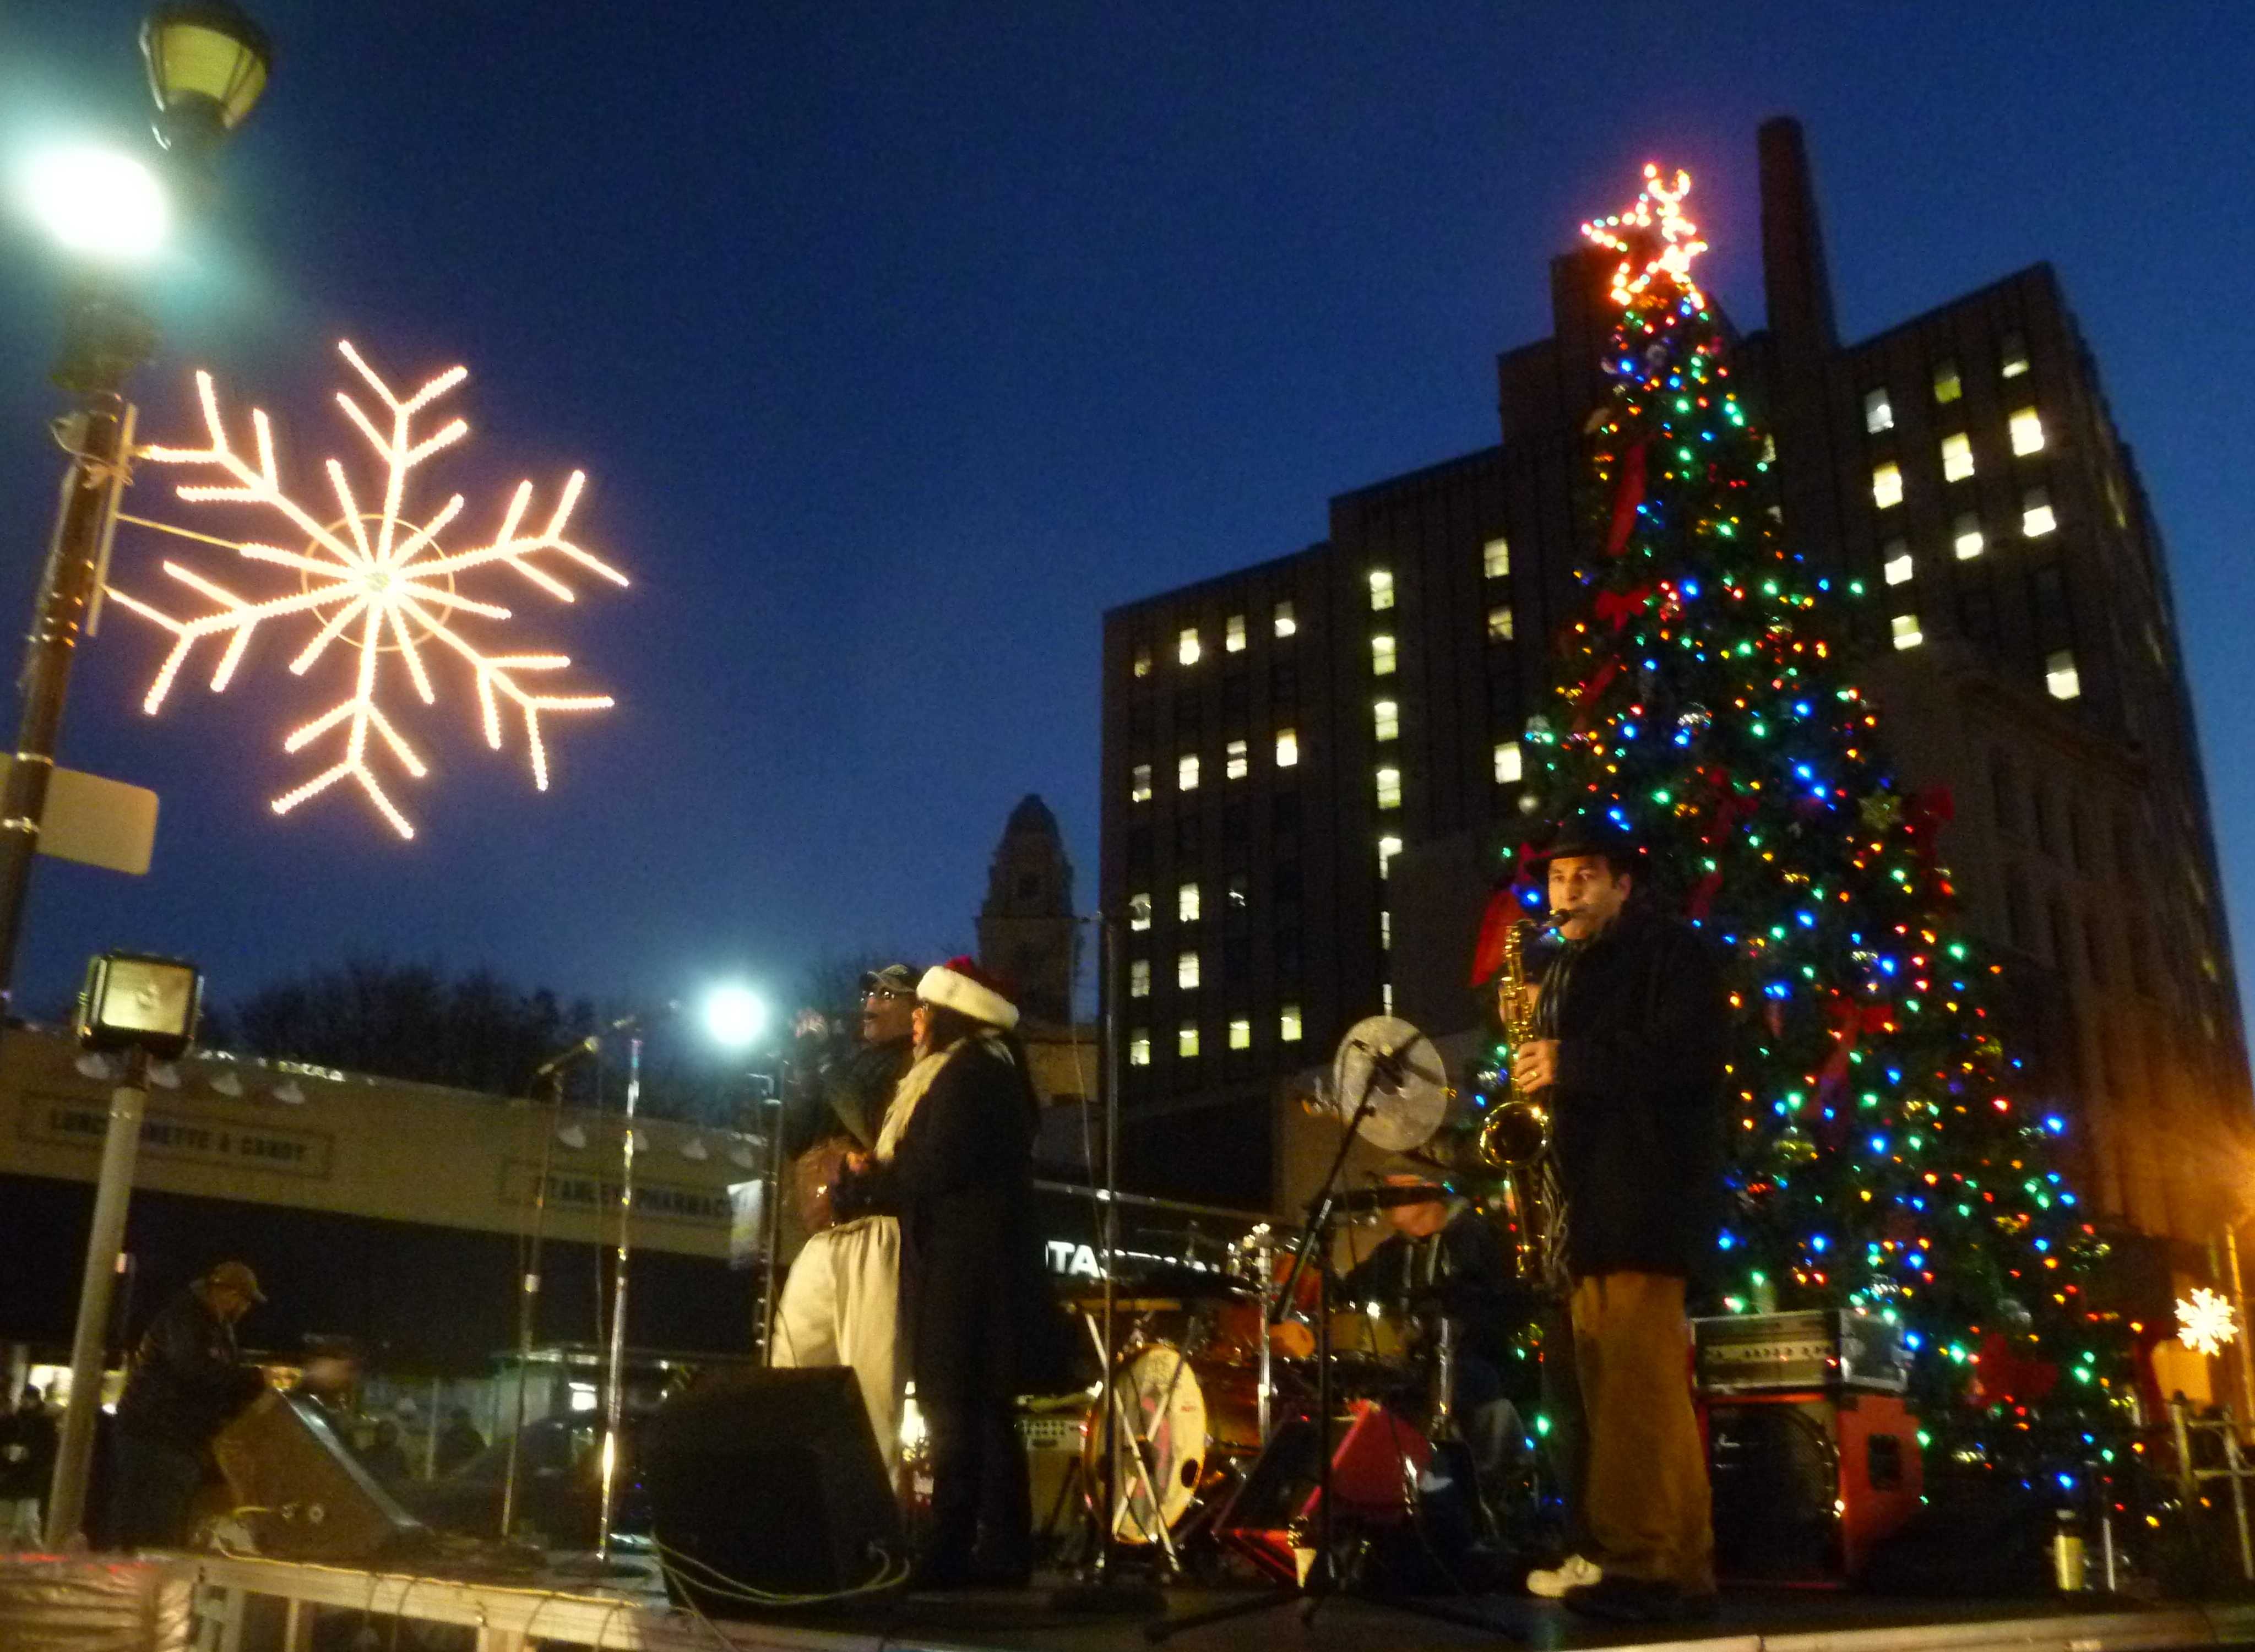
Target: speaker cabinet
{"x": 1807, "y": 1484}
{"x": 307, "y": 1496}
{"x": 769, "y": 1484}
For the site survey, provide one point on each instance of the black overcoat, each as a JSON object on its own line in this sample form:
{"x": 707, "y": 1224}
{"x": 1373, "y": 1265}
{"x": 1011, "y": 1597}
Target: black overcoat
{"x": 1636, "y": 1111}
{"x": 978, "y": 1321}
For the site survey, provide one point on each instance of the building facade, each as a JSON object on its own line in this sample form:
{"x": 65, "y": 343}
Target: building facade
{"x": 1309, "y": 766}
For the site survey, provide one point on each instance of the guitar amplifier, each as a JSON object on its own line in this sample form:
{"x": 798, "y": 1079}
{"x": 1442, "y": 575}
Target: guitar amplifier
{"x": 1822, "y": 1349}
{"x": 305, "y": 1496}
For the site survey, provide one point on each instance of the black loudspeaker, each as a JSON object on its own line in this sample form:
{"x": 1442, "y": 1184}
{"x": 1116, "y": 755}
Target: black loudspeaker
{"x": 765, "y": 1488}
{"x": 307, "y": 1496}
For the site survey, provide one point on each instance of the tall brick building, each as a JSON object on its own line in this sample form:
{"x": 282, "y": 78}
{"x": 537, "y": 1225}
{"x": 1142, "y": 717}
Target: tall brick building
{"x": 1309, "y": 765}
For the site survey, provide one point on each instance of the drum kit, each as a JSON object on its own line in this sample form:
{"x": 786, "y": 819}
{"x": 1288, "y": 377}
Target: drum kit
{"x": 1211, "y": 1365}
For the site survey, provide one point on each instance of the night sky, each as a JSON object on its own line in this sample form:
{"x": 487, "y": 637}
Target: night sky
{"x": 899, "y": 342}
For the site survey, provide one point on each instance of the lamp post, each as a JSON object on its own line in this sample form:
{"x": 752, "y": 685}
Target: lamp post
{"x": 208, "y": 64}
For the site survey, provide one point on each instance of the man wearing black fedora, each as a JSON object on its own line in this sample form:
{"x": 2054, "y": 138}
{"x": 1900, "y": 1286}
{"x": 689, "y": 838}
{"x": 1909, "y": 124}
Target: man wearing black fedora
{"x": 1631, "y": 1028}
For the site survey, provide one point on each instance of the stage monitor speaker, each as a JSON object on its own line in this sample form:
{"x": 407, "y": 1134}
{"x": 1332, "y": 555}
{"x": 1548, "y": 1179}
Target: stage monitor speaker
{"x": 305, "y": 1496}
{"x": 1807, "y": 1484}
{"x": 765, "y": 1488}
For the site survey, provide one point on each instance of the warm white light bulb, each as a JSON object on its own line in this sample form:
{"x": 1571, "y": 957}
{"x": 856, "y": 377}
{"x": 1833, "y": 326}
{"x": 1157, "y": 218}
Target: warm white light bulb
{"x": 98, "y": 202}
{"x": 735, "y": 1015}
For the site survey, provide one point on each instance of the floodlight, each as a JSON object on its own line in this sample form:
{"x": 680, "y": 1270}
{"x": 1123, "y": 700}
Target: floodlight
{"x": 98, "y": 202}
{"x": 133, "y": 1002}
{"x": 735, "y": 1015}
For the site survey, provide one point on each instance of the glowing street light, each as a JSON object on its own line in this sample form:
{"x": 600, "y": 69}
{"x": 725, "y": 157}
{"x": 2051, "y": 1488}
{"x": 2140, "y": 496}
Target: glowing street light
{"x": 98, "y": 202}
{"x": 734, "y": 1017}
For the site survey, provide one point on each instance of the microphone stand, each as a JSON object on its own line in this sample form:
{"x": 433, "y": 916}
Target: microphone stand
{"x": 1321, "y": 1582}
{"x": 528, "y": 1310}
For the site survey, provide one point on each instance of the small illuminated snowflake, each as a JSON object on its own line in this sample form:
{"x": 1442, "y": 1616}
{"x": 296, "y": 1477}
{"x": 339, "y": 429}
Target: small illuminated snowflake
{"x": 378, "y": 579}
{"x": 2205, "y": 1322}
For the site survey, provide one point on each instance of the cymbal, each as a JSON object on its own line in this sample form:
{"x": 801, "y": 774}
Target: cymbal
{"x": 1365, "y": 1198}
{"x": 1401, "y": 1072}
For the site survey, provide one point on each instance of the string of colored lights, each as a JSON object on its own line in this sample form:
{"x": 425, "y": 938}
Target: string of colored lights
{"x": 394, "y": 591}
{"x": 1886, "y": 1156}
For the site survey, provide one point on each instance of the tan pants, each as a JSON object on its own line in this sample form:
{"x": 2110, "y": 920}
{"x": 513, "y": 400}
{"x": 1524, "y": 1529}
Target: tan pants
{"x": 1646, "y": 1500}
{"x": 841, "y": 1306}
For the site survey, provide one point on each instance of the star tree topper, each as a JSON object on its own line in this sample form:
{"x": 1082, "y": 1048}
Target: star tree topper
{"x": 376, "y": 577}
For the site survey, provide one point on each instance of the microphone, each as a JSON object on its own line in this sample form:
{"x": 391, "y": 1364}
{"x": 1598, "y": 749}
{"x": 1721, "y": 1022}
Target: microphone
{"x": 594, "y": 1041}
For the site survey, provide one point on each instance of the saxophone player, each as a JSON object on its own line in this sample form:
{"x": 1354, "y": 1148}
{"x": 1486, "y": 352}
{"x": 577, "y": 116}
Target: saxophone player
{"x": 1629, "y": 1048}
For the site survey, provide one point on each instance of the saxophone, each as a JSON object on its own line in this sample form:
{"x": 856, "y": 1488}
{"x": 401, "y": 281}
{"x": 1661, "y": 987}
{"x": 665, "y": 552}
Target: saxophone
{"x": 1516, "y": 1134}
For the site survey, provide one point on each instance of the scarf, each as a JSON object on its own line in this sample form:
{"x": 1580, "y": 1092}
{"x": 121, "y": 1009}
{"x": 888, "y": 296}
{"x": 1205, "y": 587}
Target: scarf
{"x": 918, "y": 1078}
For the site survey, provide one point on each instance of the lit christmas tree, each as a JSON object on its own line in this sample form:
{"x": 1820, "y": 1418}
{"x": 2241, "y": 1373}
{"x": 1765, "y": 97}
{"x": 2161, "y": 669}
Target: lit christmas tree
{"x": 1883, "y": 1159}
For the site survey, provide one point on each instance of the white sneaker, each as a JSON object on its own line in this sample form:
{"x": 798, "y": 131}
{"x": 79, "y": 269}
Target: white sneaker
{"x": 1573, "y": 1572}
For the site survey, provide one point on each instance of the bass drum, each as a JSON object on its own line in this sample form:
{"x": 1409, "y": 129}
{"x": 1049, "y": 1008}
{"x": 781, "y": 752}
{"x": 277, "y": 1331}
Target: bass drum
{"x": 1195, "y": 1421}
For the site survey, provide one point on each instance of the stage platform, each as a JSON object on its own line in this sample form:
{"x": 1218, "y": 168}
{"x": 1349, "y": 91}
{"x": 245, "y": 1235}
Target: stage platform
{"x": 556, "y": 1609}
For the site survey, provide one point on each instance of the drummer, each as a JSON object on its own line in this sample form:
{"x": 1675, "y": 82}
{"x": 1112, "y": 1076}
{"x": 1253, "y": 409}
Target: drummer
{"x": 1443, "y": 1257}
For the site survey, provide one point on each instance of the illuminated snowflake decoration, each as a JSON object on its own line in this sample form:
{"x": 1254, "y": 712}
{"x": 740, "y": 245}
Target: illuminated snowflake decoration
{"x": 378, "y": 583}
{"x": 2205, "y": 1322}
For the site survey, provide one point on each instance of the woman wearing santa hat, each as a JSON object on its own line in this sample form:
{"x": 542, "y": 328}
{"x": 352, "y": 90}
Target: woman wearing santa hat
{"x": 954, "y": 1163}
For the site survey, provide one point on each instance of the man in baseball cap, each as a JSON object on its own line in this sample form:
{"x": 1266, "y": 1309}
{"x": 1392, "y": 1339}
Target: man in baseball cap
{"x": 185, "y": 1382}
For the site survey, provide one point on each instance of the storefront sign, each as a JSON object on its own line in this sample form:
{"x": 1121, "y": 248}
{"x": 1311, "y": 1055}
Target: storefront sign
{"x": 70, "y": 1122}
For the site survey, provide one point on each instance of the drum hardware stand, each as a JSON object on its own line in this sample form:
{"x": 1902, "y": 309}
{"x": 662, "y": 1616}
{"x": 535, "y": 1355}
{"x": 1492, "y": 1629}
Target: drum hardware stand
{"x": 1320, "y": 1583}
{"x": 1099, "y": 1593}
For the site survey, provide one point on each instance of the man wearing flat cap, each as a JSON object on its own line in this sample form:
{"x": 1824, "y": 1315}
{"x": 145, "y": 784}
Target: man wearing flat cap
{"x": 1630, "y": 1038}
{"x": 185, "y": 1382}
{"x": 840, "y": 1302}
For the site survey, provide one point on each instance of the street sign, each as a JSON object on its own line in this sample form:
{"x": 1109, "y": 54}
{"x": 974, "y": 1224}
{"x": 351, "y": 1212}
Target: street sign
{"x": 99, "y": 822}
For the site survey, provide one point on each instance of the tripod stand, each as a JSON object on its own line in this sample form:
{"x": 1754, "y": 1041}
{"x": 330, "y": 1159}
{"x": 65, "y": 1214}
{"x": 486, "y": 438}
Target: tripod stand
{"x": 1320, "y": 1581}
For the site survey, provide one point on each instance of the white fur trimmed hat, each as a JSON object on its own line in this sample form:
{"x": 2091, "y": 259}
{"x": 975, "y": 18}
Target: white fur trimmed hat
{"x": 960, "y": 985}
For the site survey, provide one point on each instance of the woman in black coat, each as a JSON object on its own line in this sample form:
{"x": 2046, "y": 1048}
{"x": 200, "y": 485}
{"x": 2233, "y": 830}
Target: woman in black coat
{"x": 955, "y": 1164}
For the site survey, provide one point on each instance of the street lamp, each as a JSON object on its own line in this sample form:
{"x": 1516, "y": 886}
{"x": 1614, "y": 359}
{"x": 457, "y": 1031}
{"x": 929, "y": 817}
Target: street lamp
{"x": 734, "y": 1017}
{"x": 208, "y": 64}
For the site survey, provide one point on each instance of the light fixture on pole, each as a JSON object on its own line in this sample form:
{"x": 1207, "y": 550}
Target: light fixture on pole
{"x": 735, "y": 1018}
{"x": 147, "y": 1009}
{"x": 208, "y": 64}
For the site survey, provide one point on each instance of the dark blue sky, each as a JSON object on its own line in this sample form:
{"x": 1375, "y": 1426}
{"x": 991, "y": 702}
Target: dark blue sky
{"x": 899, "y": 342}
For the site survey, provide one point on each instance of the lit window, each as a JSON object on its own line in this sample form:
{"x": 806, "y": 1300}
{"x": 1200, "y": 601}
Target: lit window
{"x": 1879, "y": 415}
{"x": 1385, "y": 997}
{"x": 1906, "y": 632}
{"x": 2059, "y": 675}
{"x": 1143, "y": 662}
{"x": 2036, "y": 518}
{"x": 1387, "y": 848}
{"x": 1237, "y": 761}
{"x": 1186, "y": 1040}
{"x": 1495, "y": 558}
{"x": 1386, "y": 932}
{"x": 1508, "y": 763}
{"x": 1233, "y": 634}
{"x": 1287, "y": 1023}
{"x": 1287, "y": 747}
{"x": 1186, "y": 774}
{"x": 2015, "y": 356}
{"x": 1389, "y": 788}
{"x": 1956, "y": 457}
{"x": 1895, "y": 563}
{"x": 1139, "y": 978}
{"x": 1186, "y": 972}
{"x": 1769, "y": 452}
{"x": 1139, "y": 912}
{"x": 1139, "y": 784}
{"x": 1186, "y": 903}
{"x": 1381, "y": 589}
{"x": 1386, "y": 720}
{"x": 1187, "y": 646}
{"x": 1499, "y": 624}
{"x": 1965, "y": 536}
{"x": 1139, "y": 1049}
{"x": 2028, "y": 432}
{"x": 1886, "y": 485}
{"x": 1285, "y": 623}
{"x": 1236, "y": 894}
{"x": 1382, "y": 655}
{"x": 1946, "y": 387}
{"x": 1241, "y": 1033}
